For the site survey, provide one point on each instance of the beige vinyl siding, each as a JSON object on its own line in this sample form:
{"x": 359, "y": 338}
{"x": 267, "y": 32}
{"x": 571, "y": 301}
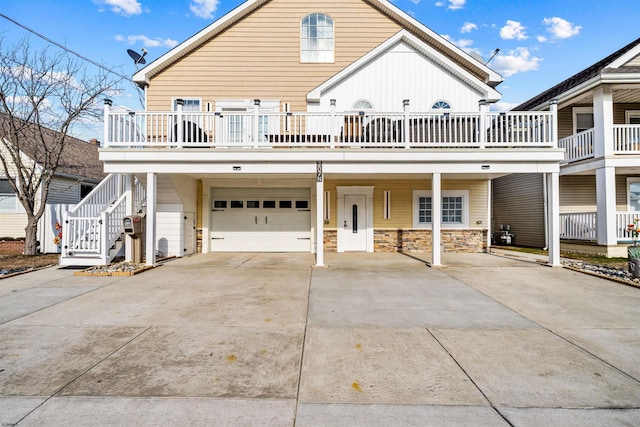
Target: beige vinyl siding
{"x": 12, "y": 224}
{"x": 518, "y": 200}
{"x": 402, "y": 200}
{"x": 619, "y": 111}
{"x": 565, "y": 122}
{"x": 260, "y": 56}
{"x": 578, "y": 193}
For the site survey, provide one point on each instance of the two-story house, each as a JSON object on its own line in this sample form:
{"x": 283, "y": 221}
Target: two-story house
{"x": 313, "y": 126}
{"x": 599, "y": 129}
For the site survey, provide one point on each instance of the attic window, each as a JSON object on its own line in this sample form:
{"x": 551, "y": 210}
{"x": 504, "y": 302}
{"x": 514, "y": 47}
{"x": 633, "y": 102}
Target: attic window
{"x": 316, "y": 38}
{"x": 362, "y": 105}
{"x": 438, "y": 105}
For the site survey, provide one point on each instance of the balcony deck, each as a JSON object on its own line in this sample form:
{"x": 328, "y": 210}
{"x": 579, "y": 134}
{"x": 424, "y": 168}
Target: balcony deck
{"x": 626, "y": 140}
{"x": 331, "y": 130}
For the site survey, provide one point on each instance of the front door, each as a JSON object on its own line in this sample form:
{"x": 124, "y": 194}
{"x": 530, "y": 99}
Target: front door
{"x": 355, "y": 223}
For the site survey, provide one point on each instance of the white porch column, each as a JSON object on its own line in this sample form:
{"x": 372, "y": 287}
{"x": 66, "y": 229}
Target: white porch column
{"x": 606, "y": 211}
{"x": 319, "y": 215}
{"x": 436, "y": 218}
{"x": 150, "y": 228}
{"x": 603, "y": 121}
{"x": 406, "y": 130}
{"x": 107, "y": 121}
{"x": 128, "y": 210}
{"x": 553, "y": 217}
{"x": 483, "y": 106}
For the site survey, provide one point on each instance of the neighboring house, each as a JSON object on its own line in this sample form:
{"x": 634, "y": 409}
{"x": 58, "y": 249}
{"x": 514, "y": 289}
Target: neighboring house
{"x": 599, "y": 129}
{"x": 313, "y": 126}
{"x": 78, "y": 172}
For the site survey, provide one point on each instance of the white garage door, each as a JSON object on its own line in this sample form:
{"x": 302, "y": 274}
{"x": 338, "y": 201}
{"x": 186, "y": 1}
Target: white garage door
{"x": 260, "y": 220}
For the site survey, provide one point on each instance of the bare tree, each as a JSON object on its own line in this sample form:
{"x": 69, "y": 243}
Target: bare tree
{"x": 43, "y": 93}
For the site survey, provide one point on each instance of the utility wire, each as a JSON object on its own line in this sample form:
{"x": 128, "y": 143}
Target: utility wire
{"x": 66, "y": 48}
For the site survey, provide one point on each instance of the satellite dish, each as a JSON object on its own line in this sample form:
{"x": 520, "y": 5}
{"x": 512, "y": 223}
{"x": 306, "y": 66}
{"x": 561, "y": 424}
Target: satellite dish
{"x": 137, "y": 58}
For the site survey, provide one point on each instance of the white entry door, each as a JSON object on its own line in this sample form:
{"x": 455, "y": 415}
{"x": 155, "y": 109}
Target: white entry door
{"x": 355, "y": 223}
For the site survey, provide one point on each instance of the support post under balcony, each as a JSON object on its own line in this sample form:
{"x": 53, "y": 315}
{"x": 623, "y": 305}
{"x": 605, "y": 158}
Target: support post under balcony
{"x": 553, "y": 217}
{"x": 319, "y": 215}
{"x": 436, "y": 219}
{"x": 150, "y": 226}
{"x": 603, "y": 121}
{"x": 606, "y": 202}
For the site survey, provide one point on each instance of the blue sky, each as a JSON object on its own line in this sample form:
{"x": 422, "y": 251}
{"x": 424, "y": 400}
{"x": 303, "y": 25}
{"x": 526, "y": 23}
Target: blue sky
{"x": 541, "y": 42}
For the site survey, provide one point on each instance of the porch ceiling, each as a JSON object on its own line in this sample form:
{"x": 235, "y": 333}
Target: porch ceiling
{"x": 258, "y": 178}
{"x": 621, "y": 95}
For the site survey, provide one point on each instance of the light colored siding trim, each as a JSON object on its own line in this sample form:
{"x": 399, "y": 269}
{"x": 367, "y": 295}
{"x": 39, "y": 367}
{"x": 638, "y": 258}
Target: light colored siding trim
{"x": 415, "y": 77}
{"x": 263, "y": 51}
{"x": 12, "y": 224}
{"x": 167, "y": 193}
{"x": 518, "y": 200}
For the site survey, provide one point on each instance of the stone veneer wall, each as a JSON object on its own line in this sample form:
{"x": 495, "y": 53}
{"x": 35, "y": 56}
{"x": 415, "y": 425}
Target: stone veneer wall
{"x": 11, "y": 247}
{"x": 330, "y": 240}
{"x": 416, "y": 240}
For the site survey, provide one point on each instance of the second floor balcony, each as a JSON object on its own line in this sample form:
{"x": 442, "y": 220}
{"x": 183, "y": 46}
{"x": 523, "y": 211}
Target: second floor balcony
{"x": 581, "y": 146}
{"x": 329, "y": 130}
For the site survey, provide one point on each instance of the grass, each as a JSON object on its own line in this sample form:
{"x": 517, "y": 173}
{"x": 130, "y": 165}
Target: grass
{"x": 591, "y": 259}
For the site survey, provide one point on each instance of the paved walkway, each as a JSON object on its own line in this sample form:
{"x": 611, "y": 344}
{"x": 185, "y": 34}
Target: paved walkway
{"x": 371, "y": 340}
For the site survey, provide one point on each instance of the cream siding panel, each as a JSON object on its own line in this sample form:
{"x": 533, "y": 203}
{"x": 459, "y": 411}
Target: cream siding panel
{"x": 169, "y": 230}
{"x": 187, "y": 191}
{"x": 518, "y": 200}
{"x": 167, "y": 193}
{"x": 398, "y": 74}
{"x": 262, "y": 52}
{"x": 565, "y": 122}
{"x": 402, "y": 200}
{"x": 578, "y": 194}
{"x": 12, "y": 224}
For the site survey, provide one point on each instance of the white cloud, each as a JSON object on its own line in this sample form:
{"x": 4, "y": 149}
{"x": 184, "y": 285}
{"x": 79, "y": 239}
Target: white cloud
{"x": 561, "y": 28}
{"x": 204, "y": 8}
{"x": 516, "y": 61}
{"x": 122, "y": 7}
{"x": 465, "y": 44}
{"x": 513, "y": 30}
{"x": 541, "y": 39}
{"x": 453, "y": 4}
{"x": 146, "y": 41}
{"x": 504, "y": 106}
{"x": 415, "y": 1}
{"x": 468, "y": 27}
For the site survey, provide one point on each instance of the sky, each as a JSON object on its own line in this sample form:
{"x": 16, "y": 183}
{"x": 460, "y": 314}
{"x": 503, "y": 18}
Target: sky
{"x": 541, "y": 42}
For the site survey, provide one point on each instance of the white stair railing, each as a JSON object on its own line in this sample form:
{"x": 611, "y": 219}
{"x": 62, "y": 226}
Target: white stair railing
{"x": 94, "y": 225}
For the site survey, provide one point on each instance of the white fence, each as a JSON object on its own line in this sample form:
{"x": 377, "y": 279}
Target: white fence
{"x": 50, "y": 227}
{"x": 328, "y": 130}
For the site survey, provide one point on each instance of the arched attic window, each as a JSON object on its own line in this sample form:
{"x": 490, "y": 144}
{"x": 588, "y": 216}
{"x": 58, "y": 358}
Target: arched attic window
{"x": 440, "y": 105}
{"x": 362, "y": 105}
{"x": 316, "y": 38}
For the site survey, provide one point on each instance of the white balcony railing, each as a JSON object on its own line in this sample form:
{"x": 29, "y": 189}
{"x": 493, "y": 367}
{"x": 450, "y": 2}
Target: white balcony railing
{"x": 578, "y": 226}
{"x": 328, "y": 130}
{"x": 626, "y": 139}
{"x": 577, "y": 147}
{"x": 583, "y": 226}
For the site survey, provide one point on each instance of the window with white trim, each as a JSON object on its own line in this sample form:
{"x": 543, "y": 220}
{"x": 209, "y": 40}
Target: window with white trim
{"x": 633, "y": 194}
{"x": 190, "y": 104}
{"x": 316, "y": 38}
{"x": 632, "y": 117}
{"x": 8, "y": 198}
{"x": 582, "y": 119}
{"x": 455, "y": 209}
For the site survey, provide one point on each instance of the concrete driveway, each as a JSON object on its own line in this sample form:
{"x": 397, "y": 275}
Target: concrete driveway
{"x": 371, "y": 340}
